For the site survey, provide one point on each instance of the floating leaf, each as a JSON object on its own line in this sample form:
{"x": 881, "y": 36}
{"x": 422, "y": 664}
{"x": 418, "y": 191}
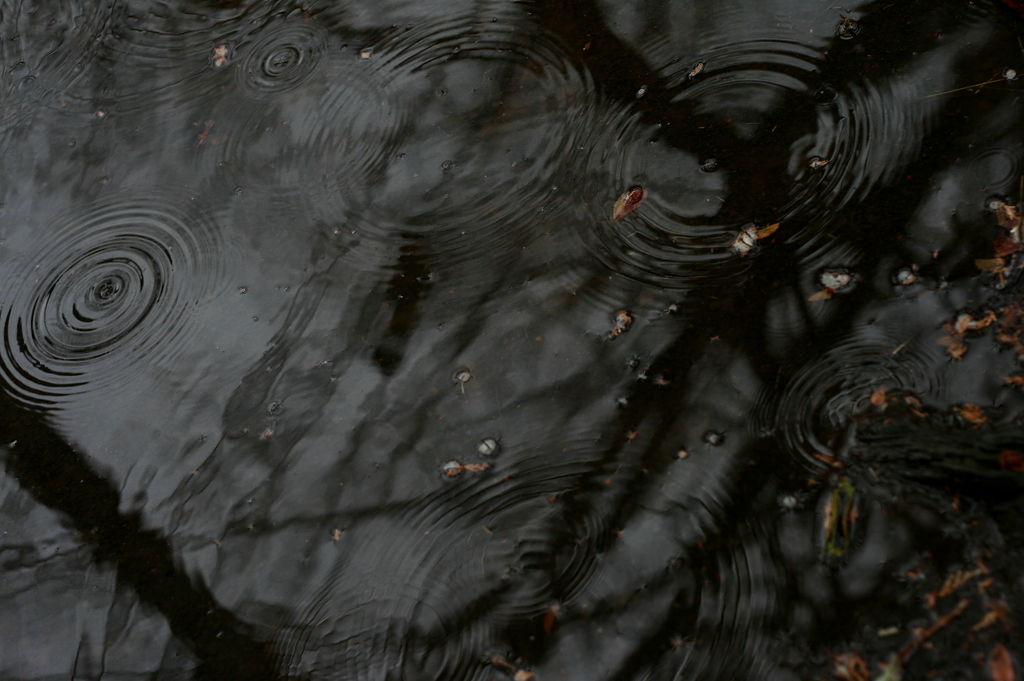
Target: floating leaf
{"x": 628, "y": 202}
{"x": 993, "y": 265}
{"x": 1000, "y": 664}
{"x": 973, "y": 414}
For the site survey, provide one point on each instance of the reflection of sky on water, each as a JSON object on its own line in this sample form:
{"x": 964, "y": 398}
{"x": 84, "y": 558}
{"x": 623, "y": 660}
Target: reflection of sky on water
{"x": 240, "y": 293}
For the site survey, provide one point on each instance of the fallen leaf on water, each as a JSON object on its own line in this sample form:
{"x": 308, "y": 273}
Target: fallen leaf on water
{"x": 993, "y": 265}
{"x": 549, "y": 618}
{"x": 878, "y": 397}
{"x": 823, "y": 294}
{"x": 1012, "y": 461}
{"x": 749, "y": 236}
{"x": 1004, "y": 245}
{"x": 628, "y": 202}
{"x": 206, "y": 132}
{"x": 966, "y": 322}
{"x": 955, "y": 348}
{"x": 1008, "y": 217}
{"x": 1014, "y": 379}
{"x": 973, "y": 414}
{"x": 1000, "y": 664}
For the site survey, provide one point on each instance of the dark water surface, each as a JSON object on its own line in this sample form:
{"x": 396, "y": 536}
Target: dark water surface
{"x": 325, "y": 358}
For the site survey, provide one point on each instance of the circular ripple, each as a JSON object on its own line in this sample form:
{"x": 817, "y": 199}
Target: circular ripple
{"x": 49, "y": 47}
{"x": 821, "y": 401}
{"x": 113, "y": 287}
{"x": 147, "y": 59}
{"x": 994, "y": 168}
{"x": 402, "y": 139}
{"x": 281, "y": 56}
{"x": 682, "y": 232}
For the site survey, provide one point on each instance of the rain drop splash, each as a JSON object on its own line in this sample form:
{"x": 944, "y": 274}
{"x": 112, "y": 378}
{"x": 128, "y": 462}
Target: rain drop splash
{"x": 115, "y": 287}
{"x": 281, "y": 56}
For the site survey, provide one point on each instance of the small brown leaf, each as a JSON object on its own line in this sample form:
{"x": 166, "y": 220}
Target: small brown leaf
{"x": 993, "y": 265}
{"x": 955, "y": 348}
{"x": 628, "y": 202}
{"x": 1014, "y": 379}
{"x": 549, "y": 618}
{"x": 878, "y": 397}
{"x": 767, "y": 231}
{"x": 1012, "y": 461}
{"x": 823, "y": 294}
{"x": 966, "y": 322}
{"x": 973, "y": 414}
{"x": 1000, "y": 664}
{"x": 1007, "y": 215}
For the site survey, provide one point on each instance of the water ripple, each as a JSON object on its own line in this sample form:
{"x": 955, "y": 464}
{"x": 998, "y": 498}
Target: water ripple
{"x": 280, "y": 56}
{"x": 818, "y": 406}
{"x": 114, "y": 286}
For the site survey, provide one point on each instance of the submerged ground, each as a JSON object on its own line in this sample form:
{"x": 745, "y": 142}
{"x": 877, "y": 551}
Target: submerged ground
{"x": 328, "y": 352}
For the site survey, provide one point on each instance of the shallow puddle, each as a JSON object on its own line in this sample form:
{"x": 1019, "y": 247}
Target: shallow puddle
{"x": 511, "y": 340}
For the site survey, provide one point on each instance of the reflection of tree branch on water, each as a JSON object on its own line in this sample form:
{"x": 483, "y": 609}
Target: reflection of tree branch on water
{"x": 60, "y": 478}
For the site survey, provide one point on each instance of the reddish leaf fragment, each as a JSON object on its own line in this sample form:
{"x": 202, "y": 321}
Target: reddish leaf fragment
{"x": 549, "y": 618}
{"x": 878, "y": 397}
{"x": 966, "y": 322}
{"x": 206, "y": 132}
{"x": 1008, "y": 217}
{"x": 628, "y": 202}
{"x": 1004, "y": 246}
{"x": 1010, "y": 460}
{"x": 1014, "y": 379}
{"x": 823, "y": 294}
{"x": 1000, "y": 664}
{"x": 955, "y": 348}
{"x": 767, "y": 231}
